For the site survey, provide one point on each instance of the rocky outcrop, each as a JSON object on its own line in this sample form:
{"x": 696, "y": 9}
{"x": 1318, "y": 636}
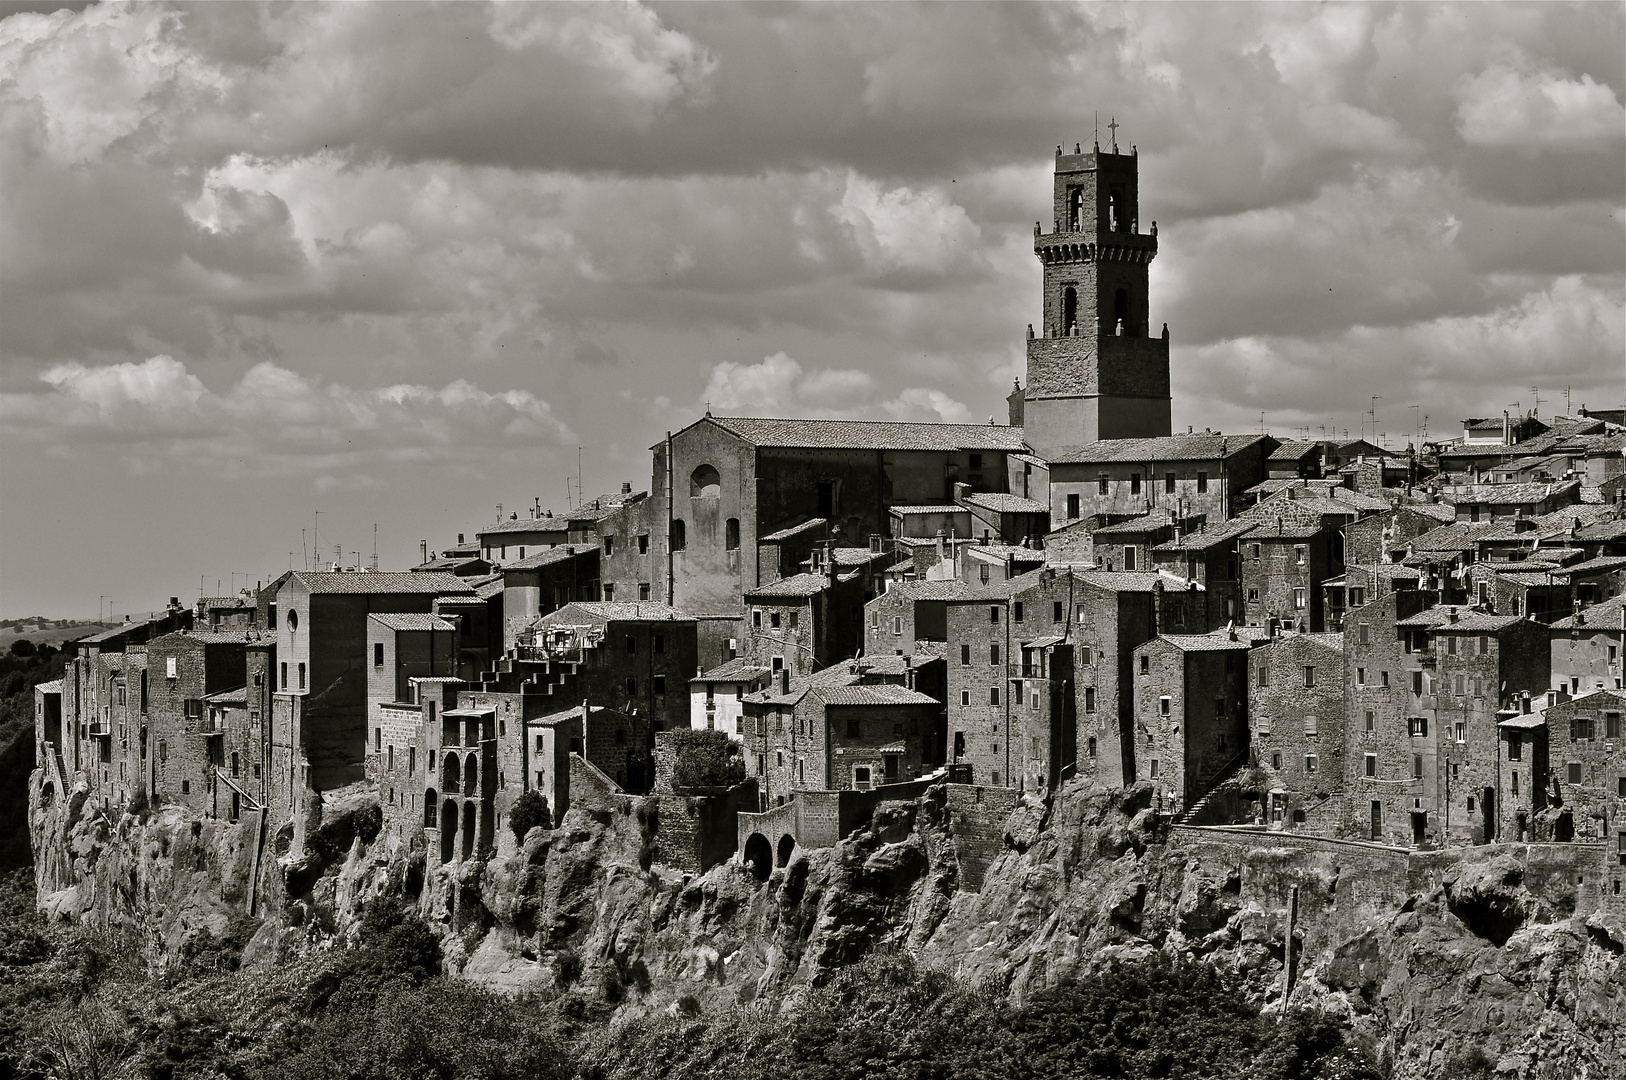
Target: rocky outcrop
{"x": 1423, "y": 955}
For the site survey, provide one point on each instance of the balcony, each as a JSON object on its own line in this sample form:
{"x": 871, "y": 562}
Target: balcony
{"x": 1091, "y": 246}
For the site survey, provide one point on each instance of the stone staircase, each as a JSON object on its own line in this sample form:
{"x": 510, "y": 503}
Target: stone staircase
{"x": 1193, "y": 813}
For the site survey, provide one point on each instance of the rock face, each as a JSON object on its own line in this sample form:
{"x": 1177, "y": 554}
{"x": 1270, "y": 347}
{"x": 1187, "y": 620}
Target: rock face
{"x": 1423, "y": 955}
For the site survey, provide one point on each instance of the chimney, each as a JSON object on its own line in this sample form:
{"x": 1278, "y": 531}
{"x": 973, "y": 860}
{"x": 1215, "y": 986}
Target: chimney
{"x": 626, "y": 487}
{"x": 940, "y": 537}
{"x": 831, "y": 560}
{"x": 587, "y": 712}
{"x": 459, "y": 539}
{"x": 1451, "y": 615}
{"x": 1507, "y": 430}
{"x": 423, "y": 551}
{"x": 784, "y": 680}
{"x": 909, "y": 672}
{"x": 875, "y": 543}
{"x": 1524, "y": 702}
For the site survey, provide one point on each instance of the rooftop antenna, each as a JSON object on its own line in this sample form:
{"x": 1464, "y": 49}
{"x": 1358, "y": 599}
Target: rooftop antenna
{"x": 1567, "y": 402}
{"x": 374, "y": 564}
{"x": 1416, "y": 425}
{"x": 316, "y": 535}
{"x": 1535, "y": 394}
{"x": 1098, "y": 131}
{"x": 304, "y": 550}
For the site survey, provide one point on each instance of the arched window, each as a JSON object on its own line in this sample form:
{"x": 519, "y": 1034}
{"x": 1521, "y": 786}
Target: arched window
{"x": 704, "y": 483}
{"x": 471, "y": 776}
{"x": 680, "y": 535}
{"x": 1069, "y": 311}
{"x": 1075, "y": 209}
{"x": 429, "y": 798}
{"x": 449, "y": 774}
{"x": 1115, "y": 212}
{"x": 1120, "y": 312}
{"x": 731, "y": 534}
{"x": 448, "y": 830}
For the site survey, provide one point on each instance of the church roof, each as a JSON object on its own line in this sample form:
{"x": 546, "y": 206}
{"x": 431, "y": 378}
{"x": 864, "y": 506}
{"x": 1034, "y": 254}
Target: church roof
{"x": 871, "y": 434}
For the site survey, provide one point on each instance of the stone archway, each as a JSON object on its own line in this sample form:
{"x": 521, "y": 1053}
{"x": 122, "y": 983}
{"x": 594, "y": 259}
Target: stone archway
{"x": 758, "y": 856}
{"x": 471, "y": 775}
{"x": 429, "y": 808}
{"x": 787, "y": 848}
{"x": 449, "y": 775}
{"x": 448, "y": 830}
{"x": 469, "y": 812}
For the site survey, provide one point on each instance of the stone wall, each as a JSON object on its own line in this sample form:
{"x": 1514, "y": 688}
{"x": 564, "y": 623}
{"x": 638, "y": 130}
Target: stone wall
{"x": 977, "y": 825}
{"x": 696, "y": 832}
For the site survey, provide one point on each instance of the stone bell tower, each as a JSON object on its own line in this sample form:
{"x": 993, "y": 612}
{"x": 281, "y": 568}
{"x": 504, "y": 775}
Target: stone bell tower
{"x": 1095, "y": 371}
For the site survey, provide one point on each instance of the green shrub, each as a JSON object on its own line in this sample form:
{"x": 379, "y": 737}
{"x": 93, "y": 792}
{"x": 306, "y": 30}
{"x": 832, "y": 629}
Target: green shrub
{"x": 704, "y": 758}
{"x": 530, "y": 812}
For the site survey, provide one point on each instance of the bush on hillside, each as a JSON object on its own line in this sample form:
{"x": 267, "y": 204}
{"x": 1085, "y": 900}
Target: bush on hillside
{"x": 704, "y": 758}
{"x": 530, "y": 811}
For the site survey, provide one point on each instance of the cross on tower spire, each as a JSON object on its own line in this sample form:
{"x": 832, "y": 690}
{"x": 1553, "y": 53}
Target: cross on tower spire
{"x": 1113, "y": 128}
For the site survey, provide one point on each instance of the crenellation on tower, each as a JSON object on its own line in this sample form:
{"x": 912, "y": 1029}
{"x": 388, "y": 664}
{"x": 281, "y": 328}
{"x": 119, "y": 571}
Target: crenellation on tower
{"x": 1094, "y": 369}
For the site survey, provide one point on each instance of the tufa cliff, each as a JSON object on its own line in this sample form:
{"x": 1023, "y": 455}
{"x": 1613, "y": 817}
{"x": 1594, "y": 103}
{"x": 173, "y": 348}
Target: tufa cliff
{"x": 1422, "y": 953}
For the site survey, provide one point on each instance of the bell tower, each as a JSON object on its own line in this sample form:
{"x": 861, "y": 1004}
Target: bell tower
{"x": 1095, "y": 372}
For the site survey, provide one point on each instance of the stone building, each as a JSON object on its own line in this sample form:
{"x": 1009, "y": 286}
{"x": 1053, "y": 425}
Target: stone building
{"x": 610, "y": 740}
{"x": 1368, "y": 540}
{"x": 1285, "y": 558}
{"x": 724, "y": 483}
{"x": 1097, "y": 370}
{"x": 802, "y": 623}
{"x": 198, "y": 720}
{"x": 1586, "y": 648}
{"x": 545, "y": 581}
{"x": 1298, "y": 731}
{"x": 517, "y": 538}
{"x": 1209, "y": 556}
{"x": 1190, "y": 713}
{"x": 634, "y": 657}
{"x": 908, "y": 613}
{"x": 1193, "y": 474}
{"x": 716, "y": 696}
{"x": 1586, "y": 779}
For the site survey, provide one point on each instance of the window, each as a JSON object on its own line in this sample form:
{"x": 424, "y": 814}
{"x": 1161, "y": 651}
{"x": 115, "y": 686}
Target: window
{"x": 1298, "y": 599}
{"x": 302, "y": 676}
{"x": 993, "y": 614}
{"x": 1253, "y": 594}
{"x": 632, "y": 686}
{"x": 680, "y": 535}
{"x": 1163, "y": 705}
{"x": 1417, "y": 766}
{"x": 1168, "y": 483}
{"x": 1310, "y": 763}
{"x": 643, "y": 543}
{"x": 965, "y": 655}
{"x": 1581, "y": 728}
{"x": 1575, "y": 772}
{"x": 1451, "y": 645}
{"x": 1383, "y": 679}
{"x": 378, "y": 654}
{"x": 1457, "y": 683}
{"x": 1417, "y": 682}
{"x": 897, "y": 624}
{"x": 1255, "y": 551}
{"x": 1154, "y": 769}
{"x": 1091, "y": 751}
{"x": 1089, "y": 701}
{"x": 1417, "y": 726}
{"x": 777, "y": 663}
{"x": 965, "y": 698}
{"x": 1360, "y": 676}
{"x": 1309, "y": 676}
{"x": 993, "y": 654}
{"x": 608, "y": 589}
{"x": 1484, "y": 645}
{"x": 993, "y": 695}
{"x": 1016, "y": 611}
{"x": 1310, "y": 726}
{"x": 1134, "y": 483}
{"x": 756, "y": 618}
{"x": 1276, "y": 759}
{"x": 1371, "y": 765}
{"x": 1219, "y": 708}
{"x": 854, "y": 727}
{"x": 1072, "y": 506}
{"x": 1363, "y": 633}
{"x": 1515, "y": 747}
{"x": 1462, "y": 731}
{"x": 1611, "y": 725}
{"x": 632, "y": 645}
{"x": 1102, "y": 486}
{"x": 1129, "y": 557}
{"x": 1357, "y": 596}
{"x": 1055, "y": 611}
{"x": 1299, "y": 553}
{"x": 1145, "y": 664}
{"x": 1264, "y": 672}
{"x": 186, "y": 787}
{"x": 731, "y": 534}
{"x": 1371, "y": 721}
{"x": 163, "y": 751}
{"x": 794, "y": 618}
{"x": 1202, "y": 483}
{"x": 284, "y": 674}
{"x": 659, "y": 684}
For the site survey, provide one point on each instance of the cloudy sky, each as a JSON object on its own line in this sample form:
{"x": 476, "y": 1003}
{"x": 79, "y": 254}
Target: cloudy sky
{"x": 397, "y": 263}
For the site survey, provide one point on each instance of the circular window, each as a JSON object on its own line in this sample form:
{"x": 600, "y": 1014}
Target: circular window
{"x": 293, "y": 621}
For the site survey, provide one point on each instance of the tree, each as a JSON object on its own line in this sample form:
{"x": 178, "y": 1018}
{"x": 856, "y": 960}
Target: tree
{"x": 704, "y": 758}
{"x": 530, "y": 811}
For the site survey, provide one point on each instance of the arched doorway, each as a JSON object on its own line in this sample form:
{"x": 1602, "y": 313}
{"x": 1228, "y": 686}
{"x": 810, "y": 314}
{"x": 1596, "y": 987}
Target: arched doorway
{"x": 429, "y": 808}
{"x": 471, "y": 775}
{"x": 787, "y": 848}
{"x": 1120, "y": 312}
{"x": 1069, "y": 311}
{"x": 449, "y": 775}
{"x": 758, "y": 856}
{"x": 469, "y": 811}
{"x": 448, "y": 830}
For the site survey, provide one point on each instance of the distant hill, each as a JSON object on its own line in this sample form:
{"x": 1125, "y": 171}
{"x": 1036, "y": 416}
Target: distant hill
{"x": 43, "y": 631}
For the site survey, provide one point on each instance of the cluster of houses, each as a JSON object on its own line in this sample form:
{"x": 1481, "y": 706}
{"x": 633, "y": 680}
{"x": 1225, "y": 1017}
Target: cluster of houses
{"x": 1416, "y": 647}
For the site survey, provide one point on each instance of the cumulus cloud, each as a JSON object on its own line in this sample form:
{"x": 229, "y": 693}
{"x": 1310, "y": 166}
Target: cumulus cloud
{"x": 779, "y": 386}
{"x": 273, "y": 416}
{"x": 1507, "y": 109}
